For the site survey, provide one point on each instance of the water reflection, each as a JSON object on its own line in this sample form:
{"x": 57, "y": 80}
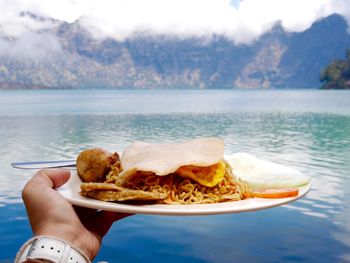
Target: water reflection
{"x": 316, "y": 144}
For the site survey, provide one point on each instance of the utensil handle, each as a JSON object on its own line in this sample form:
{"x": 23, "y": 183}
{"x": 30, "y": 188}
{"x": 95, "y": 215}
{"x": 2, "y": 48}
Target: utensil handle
{"x": 69, "y": 164}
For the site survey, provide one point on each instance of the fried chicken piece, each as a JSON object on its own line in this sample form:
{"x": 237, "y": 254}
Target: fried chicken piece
{"x": 94, "y": 164}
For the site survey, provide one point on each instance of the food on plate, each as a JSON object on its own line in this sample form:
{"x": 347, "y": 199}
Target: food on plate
{"x": 93, "y": 164}
{"x": 263, "y": 174}
{"x": 275, "y": 192}
{"x": 112, "y": 192}
{"x": 190, "y": 172}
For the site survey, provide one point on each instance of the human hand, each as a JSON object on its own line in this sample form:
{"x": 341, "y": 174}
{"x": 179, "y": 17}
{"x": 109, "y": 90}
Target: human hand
{"x": 50, "y": 214}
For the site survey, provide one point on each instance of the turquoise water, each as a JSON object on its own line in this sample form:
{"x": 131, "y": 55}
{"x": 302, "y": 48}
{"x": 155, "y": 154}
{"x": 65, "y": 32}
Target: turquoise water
{"x": 307, "y": 130}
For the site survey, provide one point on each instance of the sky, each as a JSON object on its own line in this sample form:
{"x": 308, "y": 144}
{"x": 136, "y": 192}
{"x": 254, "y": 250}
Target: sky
{"x": 241, "y": 21}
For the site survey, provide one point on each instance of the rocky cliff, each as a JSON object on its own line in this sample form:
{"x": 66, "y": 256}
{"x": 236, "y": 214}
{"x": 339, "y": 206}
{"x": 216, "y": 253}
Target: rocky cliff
{"x": 277, "y": 59}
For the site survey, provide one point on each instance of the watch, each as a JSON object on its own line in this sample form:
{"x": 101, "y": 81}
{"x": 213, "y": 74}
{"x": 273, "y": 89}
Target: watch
{"x": 49, "y": 249}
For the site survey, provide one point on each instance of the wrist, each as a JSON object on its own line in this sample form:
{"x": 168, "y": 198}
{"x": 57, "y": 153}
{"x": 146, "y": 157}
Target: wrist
{"x": 76, "y": 241}
{"x": 50, "y": 249}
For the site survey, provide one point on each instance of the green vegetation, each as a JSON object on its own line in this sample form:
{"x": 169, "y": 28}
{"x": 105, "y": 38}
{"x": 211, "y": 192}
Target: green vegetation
{"x": 337, "y": 74}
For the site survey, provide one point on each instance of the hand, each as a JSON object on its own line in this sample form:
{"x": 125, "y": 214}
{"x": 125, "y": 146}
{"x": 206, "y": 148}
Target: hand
{"x": 50, "y": 214}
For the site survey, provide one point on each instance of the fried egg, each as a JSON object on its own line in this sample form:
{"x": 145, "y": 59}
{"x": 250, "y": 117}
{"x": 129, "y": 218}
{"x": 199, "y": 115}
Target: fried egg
{"x": 207, "y": 176}
{"x": 263, "y": 174}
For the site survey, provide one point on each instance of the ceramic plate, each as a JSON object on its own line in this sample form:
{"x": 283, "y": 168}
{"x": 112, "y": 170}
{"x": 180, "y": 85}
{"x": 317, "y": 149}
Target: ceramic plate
{"x": 72, "y": 188}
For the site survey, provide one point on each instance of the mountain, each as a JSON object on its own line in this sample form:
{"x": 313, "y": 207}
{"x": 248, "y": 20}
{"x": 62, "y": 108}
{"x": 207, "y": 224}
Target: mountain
{"x": 72, "y": 58}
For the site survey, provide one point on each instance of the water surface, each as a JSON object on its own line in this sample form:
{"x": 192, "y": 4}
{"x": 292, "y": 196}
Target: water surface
{"x": 307, "y": 130}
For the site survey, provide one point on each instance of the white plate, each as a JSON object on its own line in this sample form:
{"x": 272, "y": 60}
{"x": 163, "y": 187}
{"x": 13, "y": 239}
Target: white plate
{"x": 72, "y": 188}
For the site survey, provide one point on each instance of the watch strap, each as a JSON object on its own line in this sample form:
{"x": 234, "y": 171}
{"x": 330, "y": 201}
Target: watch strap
{"x": 49, "y": 249}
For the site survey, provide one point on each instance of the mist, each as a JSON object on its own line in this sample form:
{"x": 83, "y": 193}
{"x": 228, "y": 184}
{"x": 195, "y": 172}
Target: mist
{"x": 239, "y": 21}
{"x": 31, "y": 45}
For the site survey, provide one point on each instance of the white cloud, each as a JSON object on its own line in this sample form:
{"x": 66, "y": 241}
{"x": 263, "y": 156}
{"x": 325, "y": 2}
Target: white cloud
{"x": 295, "y": 15}
{"x": 31, "y": 45}
{"x": 241, "y": 21}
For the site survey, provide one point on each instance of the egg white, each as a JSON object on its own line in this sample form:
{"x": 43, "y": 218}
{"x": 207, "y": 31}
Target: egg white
{"x": 264, "y": 174}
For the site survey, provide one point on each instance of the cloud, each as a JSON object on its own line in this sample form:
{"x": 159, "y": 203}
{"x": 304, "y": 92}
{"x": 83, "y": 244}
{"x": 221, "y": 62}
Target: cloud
{"x": 242, "y": 21}
{"x": 31, "y": 45}
{"x": 295, "y": 15}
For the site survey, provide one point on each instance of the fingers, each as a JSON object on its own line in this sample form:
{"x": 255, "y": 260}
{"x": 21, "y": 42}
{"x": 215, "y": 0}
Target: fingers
{"x": 86, "y": 215}
{"x": 52, "y": 178}
{"x": 105, "y": 219}
{"x": 111, "y": 217}
{"x": 44, "y": 180}
{"x": 98, "y": 221}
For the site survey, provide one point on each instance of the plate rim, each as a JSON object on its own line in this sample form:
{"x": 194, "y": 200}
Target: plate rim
{"x": 246, "y": 205}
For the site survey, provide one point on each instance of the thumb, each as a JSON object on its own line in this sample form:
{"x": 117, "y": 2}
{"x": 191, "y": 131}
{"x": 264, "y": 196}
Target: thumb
{"x": 44, "y": 180}
{"x": 51, "y": 178}
{"x": 47, "y": 179}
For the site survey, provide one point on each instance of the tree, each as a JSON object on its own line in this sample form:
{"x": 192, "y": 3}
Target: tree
{"x": 337, "y": 74}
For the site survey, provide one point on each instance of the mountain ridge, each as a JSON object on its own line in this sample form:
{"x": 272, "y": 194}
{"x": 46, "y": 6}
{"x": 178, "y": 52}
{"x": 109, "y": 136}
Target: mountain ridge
{"x": 278, "y": 59}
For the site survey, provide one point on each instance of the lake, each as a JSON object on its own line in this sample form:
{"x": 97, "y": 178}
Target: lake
{"x": 308, "y": 130}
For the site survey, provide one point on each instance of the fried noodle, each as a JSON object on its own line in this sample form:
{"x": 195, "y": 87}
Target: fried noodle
{"x": 187, "y": 191}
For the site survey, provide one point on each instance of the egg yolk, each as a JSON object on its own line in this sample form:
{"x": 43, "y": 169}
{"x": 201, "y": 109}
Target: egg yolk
{"x": 207, "y": 176}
